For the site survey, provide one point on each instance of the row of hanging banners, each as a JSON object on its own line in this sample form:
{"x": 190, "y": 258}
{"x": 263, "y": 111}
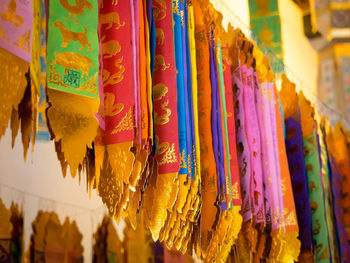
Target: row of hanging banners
{"x": 178, "y": 122}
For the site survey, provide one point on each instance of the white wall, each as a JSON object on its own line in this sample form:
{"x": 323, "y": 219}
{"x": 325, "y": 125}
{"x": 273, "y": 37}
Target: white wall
{"x": 299, "y": 56}
{"x": 41, "y": 177}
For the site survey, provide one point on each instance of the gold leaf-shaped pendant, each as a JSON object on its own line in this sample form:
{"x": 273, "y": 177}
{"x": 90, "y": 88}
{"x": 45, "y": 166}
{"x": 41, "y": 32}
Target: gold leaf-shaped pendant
{"x": 109, "y": 188}
{"x": 12, "y": 85}
{"x": 162, "y": 194}
{"x": 307, "y": 115}
{"x": 292, "y": 248}
{"x": 288, "y": 97}
{"x": 73, "y": 124}
{"x": 244, "y": 243}
{"x": 121, "y": 160}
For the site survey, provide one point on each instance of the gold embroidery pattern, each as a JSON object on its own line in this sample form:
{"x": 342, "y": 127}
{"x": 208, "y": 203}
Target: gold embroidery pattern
{"x": 77, "y": 9}
{"x": 189, "y": 164}
{"x": 109, "y": 188}
{"x": 70, "y": 60}
{"x": 12, "y": 70}
{"x": 68, "y": 35}
{"x": 235, "y": 193}
{"x": 159, "y": 63}
{"x": 176, "y": 7}
{"x": 159, "y": 91}
{"x": 2, "y": 33}
{"x": 115, "y": 78}
{"x": 126, "y": 123}
{"x": 110, "y": 48}
{"x": 11, "y": 16}
{"x": 24, "y": 41}
{"x": 89, "y": 85}
{"x": 159, "y": 9}
{"x": 201, "y": 37}
{"x": 164, "y": 118}
{"x": 183, "y": 160}
{"x": 111, "y": 109}
{"x": 277, "y": 217}
{"x": 55, "y": 77}
{"x": 169, "y": 156}
{"x": 111, "y": 18}
{"x": 291, "y": 219}
{"x": 159, "y": 36}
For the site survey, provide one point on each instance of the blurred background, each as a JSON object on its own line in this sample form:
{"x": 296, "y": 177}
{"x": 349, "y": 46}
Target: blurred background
{"x": 307, "y": 40}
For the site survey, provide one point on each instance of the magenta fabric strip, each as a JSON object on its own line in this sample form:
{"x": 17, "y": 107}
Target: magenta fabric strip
{"x": 243, "y": 156}
{"x": 253, "y": 136}
{"x": 278, "y": 215}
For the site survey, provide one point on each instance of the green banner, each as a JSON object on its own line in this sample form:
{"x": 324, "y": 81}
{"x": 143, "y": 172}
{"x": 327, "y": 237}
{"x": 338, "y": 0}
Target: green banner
{"x": 72, "y": 48}
{"x": 265, "y": 24}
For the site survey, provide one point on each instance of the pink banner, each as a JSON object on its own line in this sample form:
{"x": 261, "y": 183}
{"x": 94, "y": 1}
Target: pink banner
{"x": 16, "y": 21}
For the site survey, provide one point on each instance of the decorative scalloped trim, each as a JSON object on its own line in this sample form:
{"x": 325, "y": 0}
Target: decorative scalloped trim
{"x": 73, "y": 123}
{"x": 162, "y": 192}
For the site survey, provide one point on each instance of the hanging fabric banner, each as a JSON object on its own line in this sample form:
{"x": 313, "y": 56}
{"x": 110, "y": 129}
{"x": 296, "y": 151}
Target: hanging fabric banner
{"x": 265, "y": 23}
{"x": 43, "y": 133}
{"x": 16, "y": 20}
{"x": 72, "y": 50}
{"x": 165, "y": 116}
{"x": 72, "y": 78}
{"x": 208, "y": 166}
{"x": 294, "y": 146}
{"x": 312, "y": 165}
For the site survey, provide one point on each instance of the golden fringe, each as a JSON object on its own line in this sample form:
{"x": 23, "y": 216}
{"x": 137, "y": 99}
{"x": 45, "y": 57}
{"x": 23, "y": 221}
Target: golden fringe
{"x": 148, "y": 195}
{"x": 306, "y": 115}
{"x": 180, "y": 219}
{"x": 35, "y": 66}
{"x": 14, "y": 126}
{"x": 260, "y": 242}
{"x": 235, "y": 222}
{"x": 218, "y": 236}
{"x": 12, "y": 86}
{"x": 172, "y": 225}
{"x": 133, "y": 207}
{"x": 186, "y": 240}
{"x": 72, "y": 121}
{"x": 25, "y": 116}
{"x": 99, "y": 157}
{"x": 191, "y": 196}
{"x": 291, "y": 249}
{"x": 163, "y": 189}
{"x": 136, "y": 197}
{"x": 121, "y": 160}
{"x": 184, "y": 189}
{"x": 139, "y": 166}
{"x": 289, "y": 97}
{"x": 244, "y": 243}
{"x": 109, "y": 188}
{"x": 277, "y": 245}
{"x": 35, "y": 107}
{"x": 207, "y": 222}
